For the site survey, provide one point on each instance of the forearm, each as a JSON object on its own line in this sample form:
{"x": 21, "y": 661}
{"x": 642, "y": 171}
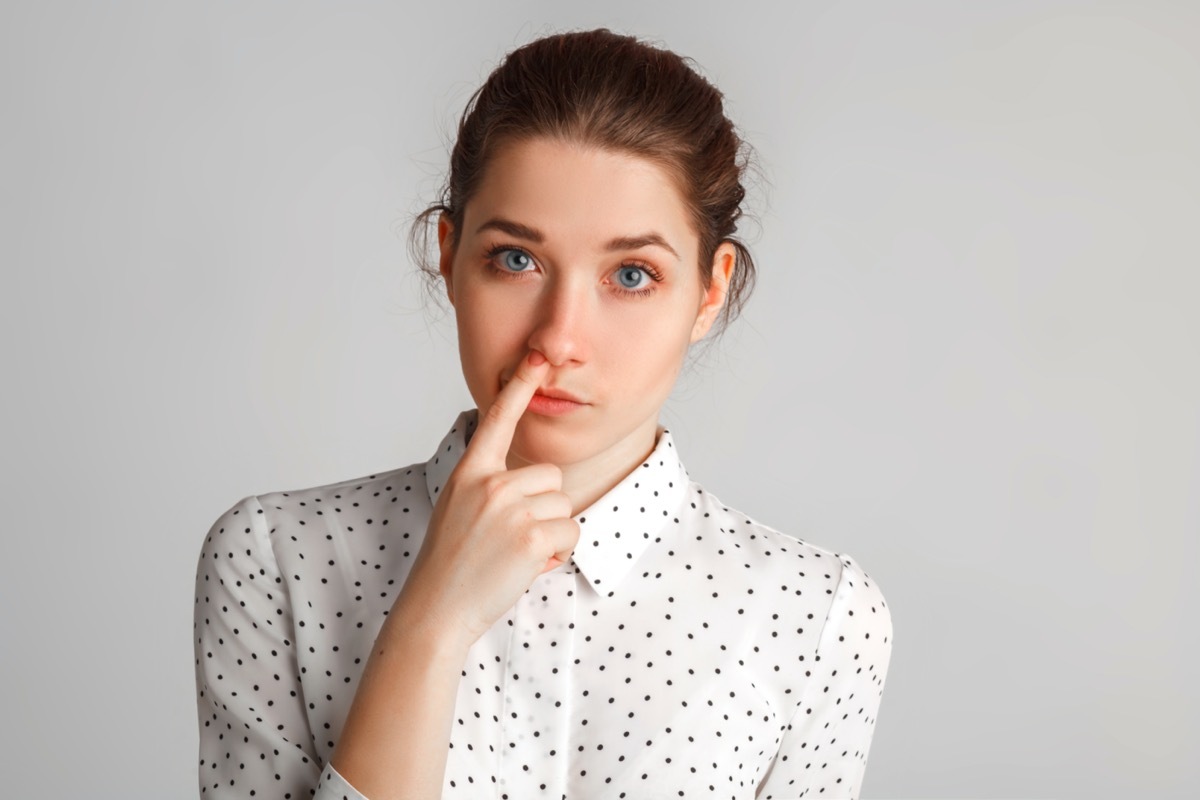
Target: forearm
{"x": 394, "y": 742}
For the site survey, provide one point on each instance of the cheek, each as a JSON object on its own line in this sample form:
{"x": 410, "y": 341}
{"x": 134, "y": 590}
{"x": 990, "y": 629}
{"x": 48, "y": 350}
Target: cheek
{"x": 648, "y": 349}
{"x": 490, "y": 338}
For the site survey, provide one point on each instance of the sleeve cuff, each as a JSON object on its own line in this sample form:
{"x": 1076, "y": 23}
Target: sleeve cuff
{"x": 333, "y": 786}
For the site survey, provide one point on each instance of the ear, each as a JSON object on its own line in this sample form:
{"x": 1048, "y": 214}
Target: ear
{"x": 713, "y": 301}
{"x": 446, "y": 253}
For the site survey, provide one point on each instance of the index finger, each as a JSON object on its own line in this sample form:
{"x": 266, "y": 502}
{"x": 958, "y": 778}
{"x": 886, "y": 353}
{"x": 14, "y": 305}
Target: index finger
{"x": 490, "y": 443}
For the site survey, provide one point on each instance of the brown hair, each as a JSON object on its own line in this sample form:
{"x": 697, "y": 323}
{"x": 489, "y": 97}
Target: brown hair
{"x": 615, "y": 92}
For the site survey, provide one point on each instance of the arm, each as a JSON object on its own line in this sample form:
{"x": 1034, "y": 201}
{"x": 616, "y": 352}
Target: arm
{"x": 492, "y": 532}
{"x": 254, "y": 735}
{"x": 824, "y": 747}
{"x": 399, "y": 722}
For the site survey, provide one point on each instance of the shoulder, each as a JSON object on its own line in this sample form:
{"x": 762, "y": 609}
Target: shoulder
{"x": 787, "y": 559}
{"x": 774, "y": 549}
{"x": 271, "y": 519}
{"x": 375, "y": 488}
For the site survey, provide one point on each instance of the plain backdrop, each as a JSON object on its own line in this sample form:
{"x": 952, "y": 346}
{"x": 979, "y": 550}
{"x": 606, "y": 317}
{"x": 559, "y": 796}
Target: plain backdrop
{"x": 972, "y": 363}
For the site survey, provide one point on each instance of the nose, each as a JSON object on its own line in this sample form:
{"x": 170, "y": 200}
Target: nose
{"x": 560, "y": 323}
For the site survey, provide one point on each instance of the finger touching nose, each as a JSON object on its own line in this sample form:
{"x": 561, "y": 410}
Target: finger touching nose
{"x": 560, "y": 332}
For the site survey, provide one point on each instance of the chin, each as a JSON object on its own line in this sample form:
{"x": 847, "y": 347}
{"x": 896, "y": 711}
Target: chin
{"x": 544, "y": 442}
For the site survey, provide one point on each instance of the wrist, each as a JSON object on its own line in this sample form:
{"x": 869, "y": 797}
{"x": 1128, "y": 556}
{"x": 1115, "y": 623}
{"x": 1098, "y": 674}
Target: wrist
{"x": 408, "y": 629}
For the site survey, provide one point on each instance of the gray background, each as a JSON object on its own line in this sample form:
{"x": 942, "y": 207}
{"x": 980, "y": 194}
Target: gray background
{"x": 973, "y": 362}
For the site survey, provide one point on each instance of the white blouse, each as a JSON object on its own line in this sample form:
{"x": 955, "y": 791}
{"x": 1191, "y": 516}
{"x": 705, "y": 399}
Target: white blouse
{"x": 684, "y": 650}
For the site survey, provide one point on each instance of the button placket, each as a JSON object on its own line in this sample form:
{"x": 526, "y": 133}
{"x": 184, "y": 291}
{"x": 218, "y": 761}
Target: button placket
{"x": 537, "y": 708}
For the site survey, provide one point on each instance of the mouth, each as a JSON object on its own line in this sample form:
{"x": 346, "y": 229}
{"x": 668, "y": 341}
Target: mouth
{"x": 551, "y": 401}
{"x": 557, "y": 394}
{"x": 551, "y": 392}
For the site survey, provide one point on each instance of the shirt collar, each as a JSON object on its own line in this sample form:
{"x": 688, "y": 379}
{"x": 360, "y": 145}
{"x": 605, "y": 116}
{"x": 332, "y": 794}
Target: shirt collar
{"x": 615, "y": 530}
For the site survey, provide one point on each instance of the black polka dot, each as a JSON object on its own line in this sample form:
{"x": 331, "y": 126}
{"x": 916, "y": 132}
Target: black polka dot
{"x": 700, "y": 654}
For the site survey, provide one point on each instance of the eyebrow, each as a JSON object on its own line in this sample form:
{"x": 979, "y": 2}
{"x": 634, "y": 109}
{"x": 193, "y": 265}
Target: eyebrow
{"x": 619, "y": 243}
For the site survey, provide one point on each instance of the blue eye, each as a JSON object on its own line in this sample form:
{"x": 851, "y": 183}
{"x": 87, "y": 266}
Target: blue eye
{"x": 516, "y": 260}
{"x": 632, "y": 277}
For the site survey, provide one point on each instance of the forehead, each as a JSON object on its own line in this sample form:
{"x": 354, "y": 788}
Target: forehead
{"x": 580, "y": 193}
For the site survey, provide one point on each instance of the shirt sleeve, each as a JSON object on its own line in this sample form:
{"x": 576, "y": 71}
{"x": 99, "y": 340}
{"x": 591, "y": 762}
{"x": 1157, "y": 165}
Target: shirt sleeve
{"x": 255, "y": 739}
{"x": 823, "y": 752}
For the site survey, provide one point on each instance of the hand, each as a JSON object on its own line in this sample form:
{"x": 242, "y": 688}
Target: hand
{"x": 493, "y": 530}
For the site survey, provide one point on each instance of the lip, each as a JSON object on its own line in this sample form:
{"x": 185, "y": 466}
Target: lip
{"x": 548, "y": 406}
{"x": 552, "y": 392}
{"x": 557, "y": 394}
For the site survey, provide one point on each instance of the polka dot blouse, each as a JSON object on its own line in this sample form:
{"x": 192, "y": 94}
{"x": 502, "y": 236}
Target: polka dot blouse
{"x": 684, "y": 650}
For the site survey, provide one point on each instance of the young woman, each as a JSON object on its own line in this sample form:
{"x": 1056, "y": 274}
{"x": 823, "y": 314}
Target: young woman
{"x": 548, "y": 606}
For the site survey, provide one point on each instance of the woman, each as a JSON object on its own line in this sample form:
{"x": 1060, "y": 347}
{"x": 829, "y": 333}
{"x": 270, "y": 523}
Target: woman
{"x": 548, "y": 606}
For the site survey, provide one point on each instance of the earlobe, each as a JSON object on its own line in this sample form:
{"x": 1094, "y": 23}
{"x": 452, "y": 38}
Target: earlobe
{"x": 724, "y": 262}
{"x": 446, "y": 253}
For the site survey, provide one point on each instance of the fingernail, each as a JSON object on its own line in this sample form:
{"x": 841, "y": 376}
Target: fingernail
{"x": 536, "y": 358}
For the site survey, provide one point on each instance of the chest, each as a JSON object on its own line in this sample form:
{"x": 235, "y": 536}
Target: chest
{"x": 571, "y": 695}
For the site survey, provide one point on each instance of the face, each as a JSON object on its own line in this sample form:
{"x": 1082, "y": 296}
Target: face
{"x": 588, "y": 256}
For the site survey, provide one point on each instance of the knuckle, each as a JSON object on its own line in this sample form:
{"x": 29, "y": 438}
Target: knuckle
{"x": 521, "y": 518}
{"x": 530, "y": 538}
{"x": 495, "y": 486}
{"x": 496, "y": 412}
{"x": 518, "y": 515}
{"x": 520, "y": 376}
{"x": 554, "y": 475}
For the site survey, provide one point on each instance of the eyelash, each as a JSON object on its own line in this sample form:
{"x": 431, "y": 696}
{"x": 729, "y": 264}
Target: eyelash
{"x": 650, "y": 271}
